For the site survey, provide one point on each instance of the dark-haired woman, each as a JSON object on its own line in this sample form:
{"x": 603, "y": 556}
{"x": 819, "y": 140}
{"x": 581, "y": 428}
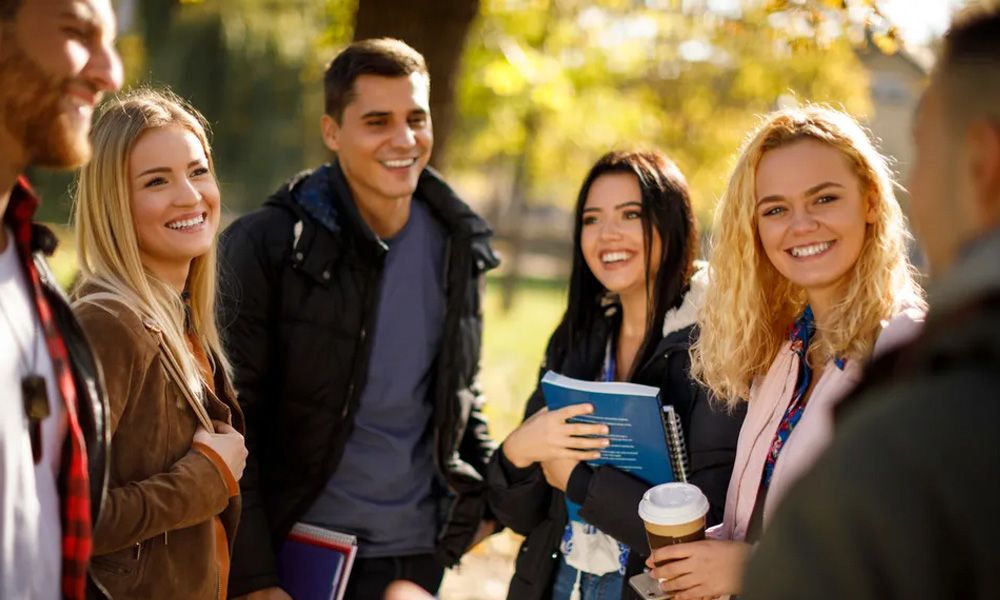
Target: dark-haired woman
{"x": 633, "y": 299}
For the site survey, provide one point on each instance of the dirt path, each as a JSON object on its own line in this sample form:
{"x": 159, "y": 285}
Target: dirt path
{"x": 484, "y": 572}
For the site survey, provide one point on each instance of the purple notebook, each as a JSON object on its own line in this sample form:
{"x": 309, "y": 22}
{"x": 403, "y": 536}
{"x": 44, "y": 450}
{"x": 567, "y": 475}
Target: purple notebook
{"x": 314, "y": 563}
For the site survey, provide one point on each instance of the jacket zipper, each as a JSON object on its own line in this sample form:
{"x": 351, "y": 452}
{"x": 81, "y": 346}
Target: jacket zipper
{"x": 352, "y": 386}
{"x": 445, "y": 268}
{"x": 449, "y": 326}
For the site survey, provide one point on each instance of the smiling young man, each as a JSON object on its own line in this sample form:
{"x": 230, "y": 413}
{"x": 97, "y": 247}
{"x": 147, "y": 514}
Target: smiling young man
{"x": 355, "y": 333}
{"x": 56, "y": 58}
{"x": 903, "y": 504}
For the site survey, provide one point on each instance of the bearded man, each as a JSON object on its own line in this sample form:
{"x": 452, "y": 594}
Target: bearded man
{"x": 56, "y": 59}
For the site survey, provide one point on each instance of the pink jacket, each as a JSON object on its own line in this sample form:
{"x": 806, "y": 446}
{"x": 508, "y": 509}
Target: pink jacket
{"x": 769, "y": 397}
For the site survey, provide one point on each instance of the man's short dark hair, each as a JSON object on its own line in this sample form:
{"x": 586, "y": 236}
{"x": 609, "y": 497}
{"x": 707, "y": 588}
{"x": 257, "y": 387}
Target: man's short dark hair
{"x": 8, "y": 8}
{"x": 969, "y": 65}
{"x": 385, "y": 57}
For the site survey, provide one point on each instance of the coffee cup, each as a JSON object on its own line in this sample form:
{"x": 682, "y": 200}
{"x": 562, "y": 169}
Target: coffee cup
{"x": 673, "y": 513}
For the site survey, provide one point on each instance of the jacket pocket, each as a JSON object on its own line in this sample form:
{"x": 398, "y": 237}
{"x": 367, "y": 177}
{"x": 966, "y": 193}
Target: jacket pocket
{"x": 120, "y": 571}
{"x": 536, "y": 558}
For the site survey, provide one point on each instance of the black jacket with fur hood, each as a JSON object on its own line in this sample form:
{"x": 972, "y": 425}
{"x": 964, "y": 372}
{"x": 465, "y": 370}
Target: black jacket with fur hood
{"x": 609, "y": 498}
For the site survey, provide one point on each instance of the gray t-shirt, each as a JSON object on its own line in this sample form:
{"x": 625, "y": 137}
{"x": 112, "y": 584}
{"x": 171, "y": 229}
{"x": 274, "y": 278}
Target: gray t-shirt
{"x": 382, "y": 488}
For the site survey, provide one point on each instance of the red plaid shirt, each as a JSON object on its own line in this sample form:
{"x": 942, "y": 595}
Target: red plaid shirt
{"x": 74, "y": 484}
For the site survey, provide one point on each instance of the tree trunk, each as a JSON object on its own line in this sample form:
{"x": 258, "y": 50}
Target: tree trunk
{"x": 515, "y": 214}
{"x": 514, "y": 224}
{"x": 437, "y": 29}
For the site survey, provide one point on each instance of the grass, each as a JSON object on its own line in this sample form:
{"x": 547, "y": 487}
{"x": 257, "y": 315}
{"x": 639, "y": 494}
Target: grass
{"x": 513, "y": 345}
{"x": 63, "y": 262}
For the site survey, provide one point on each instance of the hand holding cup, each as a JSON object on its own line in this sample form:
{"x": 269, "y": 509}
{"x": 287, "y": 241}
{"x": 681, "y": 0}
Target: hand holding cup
{"x": 674, "y": 515}
{"x": 687, "y": 565}
{"x": 698, "y": 569}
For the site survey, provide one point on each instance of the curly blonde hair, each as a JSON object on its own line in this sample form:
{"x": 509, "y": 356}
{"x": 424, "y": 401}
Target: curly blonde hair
{"x": 749, "y": 306}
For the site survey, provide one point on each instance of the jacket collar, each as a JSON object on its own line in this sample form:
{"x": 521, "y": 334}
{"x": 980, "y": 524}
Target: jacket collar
{"x": 22, "y": 205}
{"x": 686, "y": 314}
{"x": 678, "y": 322}
{"x": 325, "y": 196}
{"x": 976, "y": 273}
{"x": 29, "y": 237}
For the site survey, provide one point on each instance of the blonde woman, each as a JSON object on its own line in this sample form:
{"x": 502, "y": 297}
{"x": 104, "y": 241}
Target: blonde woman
{"x": 810, "y": 277}
{"x": 146, "y": 213}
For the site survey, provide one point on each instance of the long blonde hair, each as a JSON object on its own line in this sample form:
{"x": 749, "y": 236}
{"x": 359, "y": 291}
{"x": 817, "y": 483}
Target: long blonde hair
{"x": 749, "y": 306}
{"x": 107, "y": 244}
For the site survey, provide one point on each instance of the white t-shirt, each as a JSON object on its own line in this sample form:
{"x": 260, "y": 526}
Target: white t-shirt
{"x": 30, "y": 528}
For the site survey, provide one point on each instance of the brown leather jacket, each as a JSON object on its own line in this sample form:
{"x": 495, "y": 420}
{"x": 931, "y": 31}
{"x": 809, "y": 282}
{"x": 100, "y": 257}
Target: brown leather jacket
{"x": 156, "y": 534}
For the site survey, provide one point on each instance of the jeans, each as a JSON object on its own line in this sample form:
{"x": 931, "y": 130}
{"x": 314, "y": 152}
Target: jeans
{"x": 592, "y": 587}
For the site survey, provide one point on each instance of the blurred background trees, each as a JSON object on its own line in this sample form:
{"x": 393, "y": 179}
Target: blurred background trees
{"x": 526, "y": 94}
{"x": 550, "y": 85}
{"x": 438, "y": 29}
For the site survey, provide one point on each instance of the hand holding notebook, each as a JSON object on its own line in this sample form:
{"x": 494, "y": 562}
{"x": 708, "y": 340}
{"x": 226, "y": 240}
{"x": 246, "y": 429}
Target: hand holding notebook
{"x": 314, "y": 563}
{"x": 645, "y": 437}
{"x": 549, "y": 434}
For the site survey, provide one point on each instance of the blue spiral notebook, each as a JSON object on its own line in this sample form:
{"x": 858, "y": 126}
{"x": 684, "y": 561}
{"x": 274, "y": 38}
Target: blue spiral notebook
{"x": 646, "y": 437}
{"x": 314, "y": 563}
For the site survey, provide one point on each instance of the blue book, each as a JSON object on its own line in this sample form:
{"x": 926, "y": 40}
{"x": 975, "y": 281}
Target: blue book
{"x": 314, "y": 563}
{"x": 646, "y": 438}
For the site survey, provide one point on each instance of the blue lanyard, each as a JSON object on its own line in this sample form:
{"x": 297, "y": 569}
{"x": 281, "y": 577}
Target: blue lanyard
{"x": 609, "y": 361}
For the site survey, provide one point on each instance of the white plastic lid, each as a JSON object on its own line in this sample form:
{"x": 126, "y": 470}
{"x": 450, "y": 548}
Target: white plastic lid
{"x": 673, "y": 504}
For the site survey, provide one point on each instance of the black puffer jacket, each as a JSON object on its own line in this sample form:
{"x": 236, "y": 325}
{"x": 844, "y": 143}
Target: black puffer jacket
{"x": 609, "y": 498}
{"x": 300, "y": 287}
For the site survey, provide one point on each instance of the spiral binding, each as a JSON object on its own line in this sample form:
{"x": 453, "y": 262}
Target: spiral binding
{"x": 675, "y": 443}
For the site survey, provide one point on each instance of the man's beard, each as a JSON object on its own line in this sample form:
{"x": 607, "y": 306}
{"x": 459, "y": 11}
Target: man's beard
{"x": 32, "y": 114}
